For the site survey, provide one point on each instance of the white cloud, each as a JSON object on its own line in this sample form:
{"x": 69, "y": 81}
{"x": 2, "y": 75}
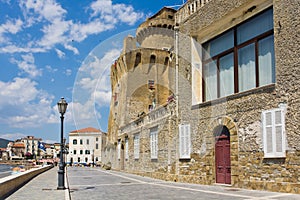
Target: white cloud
{"x": 68, "y": 72}
{"x": 60, "y": 53}
{"x": 108, "y": 11}
{"x": 71, "y": 48}
{"x": 22, "y": 104}
{"x": 50, "y": 69}
{"x": 11, "y": 26}
{"x": 102, "y": 97}
{"x": 12, "y": 136}
{"x": 48, "y": 9}
{"x": 54, "y": 33}
{"x": 50, "y": 18}
{"x": 27, "y": 65}
{"x": 79, "y": 32}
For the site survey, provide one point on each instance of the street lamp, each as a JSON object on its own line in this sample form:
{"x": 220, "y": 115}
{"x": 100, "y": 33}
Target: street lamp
{"x": 62, "y": 107}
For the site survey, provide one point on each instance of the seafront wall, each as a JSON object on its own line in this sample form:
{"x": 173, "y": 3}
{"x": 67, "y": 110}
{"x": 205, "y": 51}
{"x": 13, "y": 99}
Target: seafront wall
{"x": 11, "y": 183}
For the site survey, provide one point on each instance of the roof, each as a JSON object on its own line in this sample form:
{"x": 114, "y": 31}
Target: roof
{"x": 87, "y": 130}
{"x": 18, "y": 145}
{"x": 161, "y": 11}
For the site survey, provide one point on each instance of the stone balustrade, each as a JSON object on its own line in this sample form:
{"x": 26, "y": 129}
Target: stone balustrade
{"x": 144, "y": 119}
{"x": 189, "y": 8}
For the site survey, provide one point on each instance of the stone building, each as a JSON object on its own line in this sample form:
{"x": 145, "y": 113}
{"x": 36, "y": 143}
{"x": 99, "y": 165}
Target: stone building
{"x": 85, "y": 146}
{"x": 228, "y": 111}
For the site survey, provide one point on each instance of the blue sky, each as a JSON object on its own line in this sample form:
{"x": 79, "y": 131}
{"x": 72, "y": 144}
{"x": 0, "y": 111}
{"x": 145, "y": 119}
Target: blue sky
{"x": 55, "y": 48}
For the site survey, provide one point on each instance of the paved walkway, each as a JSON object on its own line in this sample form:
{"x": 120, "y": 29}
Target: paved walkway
{"x": 42, "y": 187}
{"x": 95, "y": 183}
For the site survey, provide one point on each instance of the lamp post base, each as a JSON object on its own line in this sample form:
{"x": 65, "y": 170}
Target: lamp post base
{"x": 61, "y": 188}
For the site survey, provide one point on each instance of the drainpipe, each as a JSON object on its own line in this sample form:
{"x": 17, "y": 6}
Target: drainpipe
{"x": 176, "y": 28}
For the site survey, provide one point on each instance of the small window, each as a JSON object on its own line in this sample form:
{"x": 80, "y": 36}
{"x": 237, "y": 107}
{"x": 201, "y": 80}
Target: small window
{"x": 273, "y": 124}
{"x": 87, "y": 141}
{"x": 126, "y": 149}
{"x": 97, "y": 146}
{"x": 74, "y": 151}
{"x": 74, "y": 141}
{"x": 96, "y": 139}
{"x": 81, "y": 152}
{"x": 87, "y": 152}
{"x": 81, "y": 142}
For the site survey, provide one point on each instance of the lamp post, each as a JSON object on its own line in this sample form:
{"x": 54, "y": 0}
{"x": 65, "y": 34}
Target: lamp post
{"x": 62, "y": 107}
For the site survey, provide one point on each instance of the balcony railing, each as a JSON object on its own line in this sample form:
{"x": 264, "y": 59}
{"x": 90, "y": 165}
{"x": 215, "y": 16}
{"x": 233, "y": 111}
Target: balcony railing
{"x": 153, "y": 117}
{"x": 189, "y": 8}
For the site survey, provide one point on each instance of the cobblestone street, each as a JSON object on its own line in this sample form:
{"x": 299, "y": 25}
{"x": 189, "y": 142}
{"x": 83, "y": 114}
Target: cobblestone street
{"x": 95, "y": 183}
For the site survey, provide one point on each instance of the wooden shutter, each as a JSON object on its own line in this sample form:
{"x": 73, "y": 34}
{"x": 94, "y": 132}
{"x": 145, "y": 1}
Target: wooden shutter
{"x": 184, "y": 141}
{"x": 273, "y": 133}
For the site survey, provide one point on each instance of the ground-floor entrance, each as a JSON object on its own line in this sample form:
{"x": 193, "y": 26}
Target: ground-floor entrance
{"x": 222, "y": 155}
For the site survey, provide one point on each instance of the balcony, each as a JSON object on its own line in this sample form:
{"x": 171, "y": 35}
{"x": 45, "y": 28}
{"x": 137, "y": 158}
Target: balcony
{"x": 154, "y": 117}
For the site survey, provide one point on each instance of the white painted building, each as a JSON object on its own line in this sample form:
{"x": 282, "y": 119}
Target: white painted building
{"x": 85, "y": 146}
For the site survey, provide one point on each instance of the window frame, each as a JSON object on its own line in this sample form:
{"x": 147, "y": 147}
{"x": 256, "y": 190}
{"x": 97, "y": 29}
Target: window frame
{"x": 216, "y": 59}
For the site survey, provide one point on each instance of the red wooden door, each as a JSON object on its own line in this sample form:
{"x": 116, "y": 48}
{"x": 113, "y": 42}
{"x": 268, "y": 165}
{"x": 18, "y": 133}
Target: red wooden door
{"x": 223, "y": 167}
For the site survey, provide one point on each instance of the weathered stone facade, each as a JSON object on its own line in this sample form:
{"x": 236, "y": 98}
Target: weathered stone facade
{"x": 240, "y": 113}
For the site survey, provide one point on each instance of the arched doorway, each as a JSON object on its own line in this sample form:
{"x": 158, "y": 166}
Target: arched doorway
{"x": 222, "y": 155}
{"x": 122, "y": 157}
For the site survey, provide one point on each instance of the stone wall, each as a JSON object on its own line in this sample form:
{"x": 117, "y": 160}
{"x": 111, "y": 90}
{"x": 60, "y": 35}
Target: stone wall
{"x": 240, "y": 112}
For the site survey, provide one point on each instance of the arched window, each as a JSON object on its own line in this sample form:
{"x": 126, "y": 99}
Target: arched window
{"x": 137, "y": 59}
{"x": 74, "y": 141}
{"x": 166, "y": 64}
{"x": 152, "y": 59}
{"x": 152, "y": 62}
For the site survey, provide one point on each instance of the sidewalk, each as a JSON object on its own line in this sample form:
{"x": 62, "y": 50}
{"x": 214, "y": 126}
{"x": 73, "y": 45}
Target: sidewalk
{"x": 41, "y": 187}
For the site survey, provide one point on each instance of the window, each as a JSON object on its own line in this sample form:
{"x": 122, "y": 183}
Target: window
{"x": 184, "y": 141}
{"x": 126, "y": 149}
{"x": 81, "y": 152}
{"x": 154, "y": 142}
{"x": 87, "y": 141}
{"x": 74, "y": 141}
{"x": 239, "y": 59}
{"x": 74, "y": 151}
{"x": 81, "y": 142}
{"x": 136, "y": 149}
{"x": 119, "y": 149}
{"x": 87, "y": 152}
{"x": 97, "y": 139}
{"x": 273, "y": 124}
{"x": 97, "y": 146}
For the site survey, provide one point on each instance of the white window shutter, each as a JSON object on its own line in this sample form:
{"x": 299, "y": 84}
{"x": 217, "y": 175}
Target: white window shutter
{"x": 273, "y": 133}
{"x": 184, "y": 141}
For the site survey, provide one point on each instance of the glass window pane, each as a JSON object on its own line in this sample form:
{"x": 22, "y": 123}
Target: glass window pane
{"x": 246, "y": 63}
{"x": 219, "y": 45}
{"x": 255, "y": 26}
{"x": 266, "y": 61}
{"x": 210, "y": 78}
{"x": 226, "y": 75}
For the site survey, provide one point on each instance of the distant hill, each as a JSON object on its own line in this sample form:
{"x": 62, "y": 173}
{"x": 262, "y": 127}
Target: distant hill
{"x": 4, "y": 142}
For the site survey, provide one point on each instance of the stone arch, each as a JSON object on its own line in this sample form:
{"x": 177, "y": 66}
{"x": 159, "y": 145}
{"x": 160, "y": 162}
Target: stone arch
{"x": 229, "y": 123}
